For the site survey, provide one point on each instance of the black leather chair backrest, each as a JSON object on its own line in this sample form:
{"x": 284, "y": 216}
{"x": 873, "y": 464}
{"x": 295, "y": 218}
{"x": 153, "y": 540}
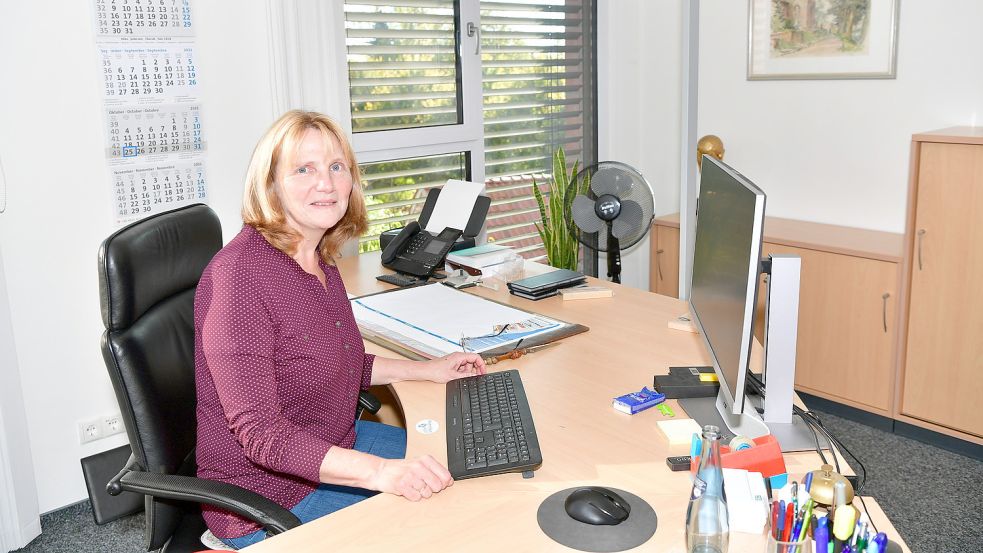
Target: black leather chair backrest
{"x": 148, "y": 273}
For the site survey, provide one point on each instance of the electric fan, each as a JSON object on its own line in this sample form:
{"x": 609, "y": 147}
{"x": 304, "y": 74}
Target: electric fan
{"x": 619, "y": 202}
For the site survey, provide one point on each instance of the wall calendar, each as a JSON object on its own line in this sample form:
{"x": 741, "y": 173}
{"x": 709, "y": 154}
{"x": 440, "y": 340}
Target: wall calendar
{"x": 147, "y": 189}
{"x": 140, "y": 131}
{"x": 126, "y": 20}
{"x": 155, "y": 140}
{"x": 148, "y": 74}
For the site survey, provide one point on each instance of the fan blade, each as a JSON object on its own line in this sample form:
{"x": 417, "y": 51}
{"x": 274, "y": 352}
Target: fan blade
{"x": 610, "y": 181}
{"x": 584, "y": 216}
{"x": 629, "y": 221}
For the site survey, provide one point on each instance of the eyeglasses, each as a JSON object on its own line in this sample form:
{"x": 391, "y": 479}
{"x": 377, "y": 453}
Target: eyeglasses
{"x": 465, "y": 340}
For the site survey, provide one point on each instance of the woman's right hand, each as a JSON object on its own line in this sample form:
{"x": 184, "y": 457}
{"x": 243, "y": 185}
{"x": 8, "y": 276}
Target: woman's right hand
{"x": 414, "y": 479}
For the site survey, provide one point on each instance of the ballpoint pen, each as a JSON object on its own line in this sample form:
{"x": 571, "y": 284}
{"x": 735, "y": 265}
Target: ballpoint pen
{"x": 515, "y": 353}
{"x": 808, "y": 481}
{"x": 792, "y": 537}
{"x": 774, "y": 519}
{"x": 789, "y": 516}
{"x": 806, "y": 519}
{"x": 821, "y": 535}
{"x": 780, "y": 528}
{"x": 880, "y": 540}
{"x": 859, "y": 541}
{"x": 795, "y": 497}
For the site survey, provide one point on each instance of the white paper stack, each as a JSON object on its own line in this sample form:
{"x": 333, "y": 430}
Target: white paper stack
{"x": 479, "y": 258}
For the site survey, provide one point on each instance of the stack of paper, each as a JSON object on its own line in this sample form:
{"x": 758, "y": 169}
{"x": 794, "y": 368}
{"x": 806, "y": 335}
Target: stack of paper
{"x": 476, "y": 259}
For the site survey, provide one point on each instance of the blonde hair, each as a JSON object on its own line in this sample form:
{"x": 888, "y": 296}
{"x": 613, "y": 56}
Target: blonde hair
{"x": 261, "y": 207}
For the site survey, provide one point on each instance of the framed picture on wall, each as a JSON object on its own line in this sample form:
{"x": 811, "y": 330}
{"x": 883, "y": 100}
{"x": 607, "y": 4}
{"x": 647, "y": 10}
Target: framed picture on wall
{"x": 822, "y": 39}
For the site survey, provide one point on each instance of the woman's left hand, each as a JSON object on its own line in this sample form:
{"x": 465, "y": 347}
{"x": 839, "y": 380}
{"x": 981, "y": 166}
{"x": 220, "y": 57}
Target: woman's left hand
{"x": 455, "y": 365}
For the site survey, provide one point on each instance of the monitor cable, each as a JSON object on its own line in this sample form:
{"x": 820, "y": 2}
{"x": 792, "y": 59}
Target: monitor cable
{"x": 816, "y": 424}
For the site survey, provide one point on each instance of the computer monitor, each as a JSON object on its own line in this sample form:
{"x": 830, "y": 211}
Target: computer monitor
{"x": 724, "y": 290}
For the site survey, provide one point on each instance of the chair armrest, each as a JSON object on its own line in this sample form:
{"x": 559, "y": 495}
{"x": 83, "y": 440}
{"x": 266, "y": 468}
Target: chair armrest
{"x": 368, "y": 402}
{"x": 273, "y": 517}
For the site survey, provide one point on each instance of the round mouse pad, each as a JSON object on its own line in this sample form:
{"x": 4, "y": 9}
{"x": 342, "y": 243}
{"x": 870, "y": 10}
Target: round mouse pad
{"x": 632, "y": 532}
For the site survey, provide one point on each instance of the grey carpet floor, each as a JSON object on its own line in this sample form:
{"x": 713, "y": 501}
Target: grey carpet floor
{"x": 73, "y": 529}
{"x": 931, "y": 495}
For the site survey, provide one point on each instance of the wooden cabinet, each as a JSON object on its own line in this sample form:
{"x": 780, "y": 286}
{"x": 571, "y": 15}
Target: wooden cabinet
{"x": 942, "y": 374}
{"x": 848, "y": 301}
{"x": 664, "y": 259}
{"x": 847, "y": 326}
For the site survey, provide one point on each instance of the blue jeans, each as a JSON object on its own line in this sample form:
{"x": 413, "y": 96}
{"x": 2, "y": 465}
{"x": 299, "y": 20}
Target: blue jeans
{"x": 370, "y": 437}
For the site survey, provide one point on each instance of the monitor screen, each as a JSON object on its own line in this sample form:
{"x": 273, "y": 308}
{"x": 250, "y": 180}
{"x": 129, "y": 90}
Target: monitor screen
{"x": 726, "y": 264}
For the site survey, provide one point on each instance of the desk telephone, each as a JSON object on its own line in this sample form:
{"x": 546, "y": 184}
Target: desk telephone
{"x": 417, "y": 252}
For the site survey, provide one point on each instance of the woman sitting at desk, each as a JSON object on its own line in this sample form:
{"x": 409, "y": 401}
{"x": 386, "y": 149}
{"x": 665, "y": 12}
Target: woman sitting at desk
{"x": 279, "y": 360}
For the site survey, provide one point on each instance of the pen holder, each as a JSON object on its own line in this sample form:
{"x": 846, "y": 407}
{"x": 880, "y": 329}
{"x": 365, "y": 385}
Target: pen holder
{"x": 775, "y": 545}
{"x": 765, "y": 457}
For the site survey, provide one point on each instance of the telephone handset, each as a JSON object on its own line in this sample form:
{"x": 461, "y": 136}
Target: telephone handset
{"x": 417, "y": 252}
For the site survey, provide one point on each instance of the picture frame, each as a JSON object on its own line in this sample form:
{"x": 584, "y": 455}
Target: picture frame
{"x": 822, "y": 39}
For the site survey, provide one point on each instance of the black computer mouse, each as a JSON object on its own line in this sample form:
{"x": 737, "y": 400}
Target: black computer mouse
{"x": 596, "y": 505}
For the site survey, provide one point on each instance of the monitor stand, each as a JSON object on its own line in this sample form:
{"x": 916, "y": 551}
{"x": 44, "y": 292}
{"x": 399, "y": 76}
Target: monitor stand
{"x": 794, "y": 436}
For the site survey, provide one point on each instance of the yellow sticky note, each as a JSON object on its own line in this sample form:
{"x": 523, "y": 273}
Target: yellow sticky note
{"x": 708, "y": 377}
{"x": 679, "y": 431}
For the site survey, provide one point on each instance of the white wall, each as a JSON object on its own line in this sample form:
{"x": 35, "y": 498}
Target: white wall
{"x": 639, "y": 76}
{"x": 59, "y": 202}
{"x": 19, "y": 522}
{"x": 836, "y": 151}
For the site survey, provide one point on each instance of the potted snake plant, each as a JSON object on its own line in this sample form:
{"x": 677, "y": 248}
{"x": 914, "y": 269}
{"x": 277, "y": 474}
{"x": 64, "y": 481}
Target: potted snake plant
{"x": 558, "y": 234}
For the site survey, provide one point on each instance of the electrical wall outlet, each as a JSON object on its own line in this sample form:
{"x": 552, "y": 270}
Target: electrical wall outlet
{"x": 100, "y": 427}
{"x": 112, "y": 424}
{"x": 89, "y": 431}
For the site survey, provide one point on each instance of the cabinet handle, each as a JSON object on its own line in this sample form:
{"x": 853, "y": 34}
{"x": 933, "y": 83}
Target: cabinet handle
{"x": 658, "y": 262}
{"x": 921, "y": 233}
{"x": 885, "y": 297}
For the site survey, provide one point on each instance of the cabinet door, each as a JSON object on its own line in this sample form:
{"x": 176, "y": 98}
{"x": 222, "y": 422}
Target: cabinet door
{"x": 943, "y": 378}
{"x": 846, "y": 326}
{"x": 664, "y": 264}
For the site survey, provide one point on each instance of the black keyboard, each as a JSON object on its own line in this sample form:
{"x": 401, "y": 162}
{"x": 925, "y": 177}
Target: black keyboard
{"x": 489, "y": 426}
{"x": 399, "y": 279}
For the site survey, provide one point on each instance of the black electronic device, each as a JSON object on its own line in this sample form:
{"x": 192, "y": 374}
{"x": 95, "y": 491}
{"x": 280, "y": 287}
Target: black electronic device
{"x": 471, "y": 230}
{"x": 678, "y": 463}
{"x": 489, "y": 426}
{"x": 401, "y": 280}
{"x": 546, "y": 284}
{"x": 597, "y": 506}
{"x": 417, "y": 252}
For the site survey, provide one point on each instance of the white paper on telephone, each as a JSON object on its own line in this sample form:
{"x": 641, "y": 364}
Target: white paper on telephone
{"x": 454, "y": 205}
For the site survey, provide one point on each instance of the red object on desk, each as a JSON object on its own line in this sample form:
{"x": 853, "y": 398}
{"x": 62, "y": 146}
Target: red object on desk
{"x": 765, "y": 457}
{"x": 789, "y": 516}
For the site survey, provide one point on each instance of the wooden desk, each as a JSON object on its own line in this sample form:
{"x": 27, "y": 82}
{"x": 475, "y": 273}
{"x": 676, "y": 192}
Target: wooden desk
{"x": 584, "y": 441}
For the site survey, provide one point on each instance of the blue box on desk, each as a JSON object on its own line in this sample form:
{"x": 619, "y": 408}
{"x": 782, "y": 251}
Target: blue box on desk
{"x": 637, "y": 401}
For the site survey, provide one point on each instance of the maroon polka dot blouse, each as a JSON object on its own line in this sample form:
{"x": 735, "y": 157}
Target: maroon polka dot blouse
{"x": 279, "y": 363}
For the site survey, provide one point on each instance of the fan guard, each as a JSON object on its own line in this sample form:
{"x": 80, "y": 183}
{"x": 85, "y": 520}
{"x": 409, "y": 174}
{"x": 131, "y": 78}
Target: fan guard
{"x": 614, "y": 214}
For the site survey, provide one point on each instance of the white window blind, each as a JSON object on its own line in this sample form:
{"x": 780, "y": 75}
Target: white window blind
{"x": 405, "y": 69}
{"x": 533, "y": 77}
{"x": 402, "y": 64}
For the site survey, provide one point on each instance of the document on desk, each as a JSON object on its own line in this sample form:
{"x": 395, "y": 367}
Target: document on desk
{"x": 435, "y": 319}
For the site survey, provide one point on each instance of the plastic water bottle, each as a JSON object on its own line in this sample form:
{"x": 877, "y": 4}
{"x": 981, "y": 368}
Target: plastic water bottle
{"x": 707, "y": 529}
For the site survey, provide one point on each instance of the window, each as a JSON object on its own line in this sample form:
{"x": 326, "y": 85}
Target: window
{"x": 429, "y": 103}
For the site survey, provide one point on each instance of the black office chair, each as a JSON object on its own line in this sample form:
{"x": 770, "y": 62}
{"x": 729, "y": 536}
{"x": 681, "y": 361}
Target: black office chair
{"x": 148, "y": 273}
